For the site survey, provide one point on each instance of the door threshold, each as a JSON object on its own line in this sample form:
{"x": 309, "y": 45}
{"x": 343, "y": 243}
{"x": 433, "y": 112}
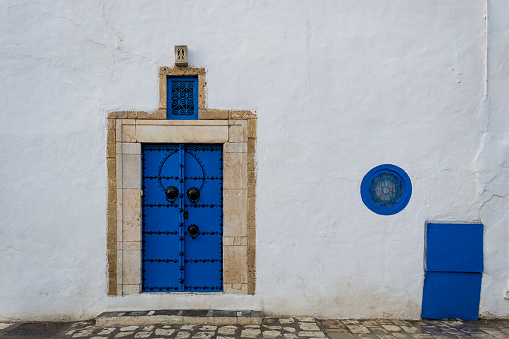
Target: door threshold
{"x": 171, "y": 317}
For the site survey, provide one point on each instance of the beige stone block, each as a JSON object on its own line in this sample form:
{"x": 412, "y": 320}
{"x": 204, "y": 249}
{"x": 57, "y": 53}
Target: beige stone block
{"x": 213, "y": 114}
{"x": 242, "y": 123}
{"x": 112, "y": 270}
{"x": 111, "y": 124}
{"x": 131, "y": 171}
{"x": 128, "y": 133}
{"x": 118, "y": 115}
{"x": 202, "y": 91}
{"x": 131, "y": 215}
{"x": 112, "y": 231}
{"x": 235, "y": 147}
{"x": 231, "y": 290}
{"x": 119, "y": 214}
{"x": 251, "y": 162}
{"x": 223, "y": 321}
{"x": 159, "y": 114}
{"x": 119, "y": 266}
{"x": 162, "y": 90}
{"x": 234, "y": 266}
{"x": 235, "y": 213}
{"x": 235, "y": 170}
{"x": 164, "y": 320}
{"x": 142, "y": 115}
{"x": 181, "y": 123}
{"x": 251, "y": 128}
{"x": 119, "y": 245}
{"x": 131, "y": 245}
{"x": 110, "y": 143}
{"x": 118, "y": 170}
{"x": 130, "y": 121}
{"x": 237, "y": 133}
{"x": 244, "y": 288}
{"x": 131, "y": 268}
{"x": 118, "y": 147}
{"x": 251, "y": 190}
{"x": 131, "y": 148}
{"x": 181, "y": 70}
{"x": 118, "y": 130}
{"x": 241, "y": 115}
{"x": 131, "y": 289}
{"x": 251, "y": 177}
{"x": 240, "y": 241}
{"x": 119, "y": 289}
{"x": 251, "y": 146}
{"x": 228, "y": 241}
{"x": 249, "y": 320}
{"x": 183, "y": 134}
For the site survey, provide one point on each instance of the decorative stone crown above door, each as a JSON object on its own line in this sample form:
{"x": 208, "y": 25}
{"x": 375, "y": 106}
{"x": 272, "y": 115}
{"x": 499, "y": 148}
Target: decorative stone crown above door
{"x": 127, "y": 130}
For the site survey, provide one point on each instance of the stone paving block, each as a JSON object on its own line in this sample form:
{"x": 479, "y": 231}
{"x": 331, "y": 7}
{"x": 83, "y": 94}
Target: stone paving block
{"x": 128, "y": 328}
{"x": 311, "y": 334}
{"x": 250, "y": 333}
{"x": 271, "y": 334}
{"x": 309, "y": 327}
{"x": 227, "y": 330}
{"x": 358, "y": 328}
{"x": 164, "y": 332}
{"x": 4, "y": 325}
{"x": 392, "y": 328}
{"x": 286, "y": 320}
{"x": 342, "y": 336}
{"x": 337, "y": 330}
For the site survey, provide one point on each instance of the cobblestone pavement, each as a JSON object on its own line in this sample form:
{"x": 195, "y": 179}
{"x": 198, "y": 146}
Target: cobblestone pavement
{"x": 286, "y": 328}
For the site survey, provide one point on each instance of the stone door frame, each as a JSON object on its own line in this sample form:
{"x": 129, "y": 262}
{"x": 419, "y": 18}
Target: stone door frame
{"x": 236, "y": 130}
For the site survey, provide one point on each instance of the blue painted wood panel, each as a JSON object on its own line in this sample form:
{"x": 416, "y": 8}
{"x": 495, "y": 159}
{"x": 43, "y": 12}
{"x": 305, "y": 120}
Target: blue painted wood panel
{"x": 454, "y": 265}
{"x": 454, "y": 247}
{"x": 451, "y": 295}
{"x": 173, "y": 260}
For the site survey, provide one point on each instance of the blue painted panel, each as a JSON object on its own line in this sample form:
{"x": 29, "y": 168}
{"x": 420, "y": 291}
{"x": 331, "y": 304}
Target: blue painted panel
{"x": 182, "y": 98}
{"x": 203, "y": 254}
{"x": 451, "y": 295}
{"x": 172, "y": 259}
{"x": 454, "y": 247}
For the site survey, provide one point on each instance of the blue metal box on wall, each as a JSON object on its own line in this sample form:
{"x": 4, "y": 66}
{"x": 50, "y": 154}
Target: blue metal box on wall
{"x": 454, "y": 266}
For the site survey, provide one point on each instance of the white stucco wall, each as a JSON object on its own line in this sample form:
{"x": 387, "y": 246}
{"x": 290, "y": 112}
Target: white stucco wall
{"x": 338, "y": 86}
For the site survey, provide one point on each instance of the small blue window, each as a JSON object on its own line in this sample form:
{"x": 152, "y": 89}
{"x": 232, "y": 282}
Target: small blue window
{"x": 386, "y": 189}
{"x": 182, "y": 98}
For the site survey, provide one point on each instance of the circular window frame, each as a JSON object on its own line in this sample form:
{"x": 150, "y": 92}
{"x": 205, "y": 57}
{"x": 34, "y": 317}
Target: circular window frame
{"x": 406, "y": 189}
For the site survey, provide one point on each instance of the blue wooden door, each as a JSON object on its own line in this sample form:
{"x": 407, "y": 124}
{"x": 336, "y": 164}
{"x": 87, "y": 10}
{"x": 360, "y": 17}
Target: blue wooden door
{"x": 182, "y": 218}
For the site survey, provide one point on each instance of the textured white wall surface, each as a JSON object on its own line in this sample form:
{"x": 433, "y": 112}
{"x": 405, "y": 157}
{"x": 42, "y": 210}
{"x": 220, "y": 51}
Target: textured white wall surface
{"x": 338, "y": 86}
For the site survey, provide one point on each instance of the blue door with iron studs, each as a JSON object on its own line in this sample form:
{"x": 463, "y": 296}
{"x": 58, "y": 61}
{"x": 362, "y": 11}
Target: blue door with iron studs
{"x": 182, "y": 217}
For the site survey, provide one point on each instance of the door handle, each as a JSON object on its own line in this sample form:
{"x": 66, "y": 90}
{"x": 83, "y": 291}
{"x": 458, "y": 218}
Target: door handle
{"x": 194, "y": 231}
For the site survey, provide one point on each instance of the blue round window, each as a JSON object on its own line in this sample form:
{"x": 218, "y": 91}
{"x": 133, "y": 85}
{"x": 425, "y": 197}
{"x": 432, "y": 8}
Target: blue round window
{"x": 386, "y": 189}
